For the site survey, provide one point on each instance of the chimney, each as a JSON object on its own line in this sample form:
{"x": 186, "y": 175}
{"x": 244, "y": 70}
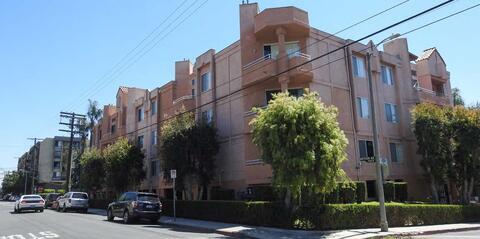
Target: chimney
{"x": 247, "y": 36}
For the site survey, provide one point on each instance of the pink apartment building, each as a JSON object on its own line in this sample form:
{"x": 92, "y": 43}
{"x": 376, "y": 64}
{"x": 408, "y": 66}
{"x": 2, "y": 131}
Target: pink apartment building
{"x": 222, "y": 87}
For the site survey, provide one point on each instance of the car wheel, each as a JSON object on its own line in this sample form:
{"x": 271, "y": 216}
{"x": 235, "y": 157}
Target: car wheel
{"x": 126, "y": 217}
{"x": 15, "y": 209}
{"x": 110, "y": 215}
{"x": 41, "y": 210}
{"x": 36, "y": 210}
{"x": 19, "y": 210}
{"x": 85, "y": 210}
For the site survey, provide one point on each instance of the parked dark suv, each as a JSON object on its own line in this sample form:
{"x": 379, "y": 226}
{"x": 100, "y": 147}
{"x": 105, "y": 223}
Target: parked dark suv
{"x": 135, "y": 205}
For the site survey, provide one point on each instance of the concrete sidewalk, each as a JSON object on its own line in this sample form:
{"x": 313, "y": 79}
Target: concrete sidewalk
{"x": 270, "y": 233}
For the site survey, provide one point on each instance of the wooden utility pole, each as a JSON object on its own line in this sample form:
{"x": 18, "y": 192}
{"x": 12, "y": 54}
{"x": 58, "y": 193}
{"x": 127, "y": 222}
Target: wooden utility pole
{"x": 74, "y": 124}
{"x": 34, "y": 156}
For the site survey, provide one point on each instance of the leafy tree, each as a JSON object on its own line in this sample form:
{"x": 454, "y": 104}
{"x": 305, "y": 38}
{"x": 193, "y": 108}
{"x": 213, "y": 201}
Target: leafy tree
{"x": 302, "y": 141}
{"x": 457, "y": 98}
{"x": 466, "y": 124}
{"x": 190, "y": 149}
{"x": 123, "y": 166}
{"x": 93, "y": 113}
{"x": 429, "y": 126}
{"x": 203, "y": 147}
{"x": 14, "y": 182}
{"x": 92, "y": 164}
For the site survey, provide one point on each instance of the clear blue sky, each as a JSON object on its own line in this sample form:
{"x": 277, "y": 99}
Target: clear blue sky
{"x": 52, "y": 51}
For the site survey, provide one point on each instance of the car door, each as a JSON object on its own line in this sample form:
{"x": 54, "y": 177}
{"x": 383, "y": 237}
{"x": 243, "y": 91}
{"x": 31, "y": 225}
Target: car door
{"x": 128, "y": 200}
{"x": 117, "y": 206}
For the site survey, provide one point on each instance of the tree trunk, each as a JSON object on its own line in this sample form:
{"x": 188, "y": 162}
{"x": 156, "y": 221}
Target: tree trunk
{"x": 288, "y": 199}
{"x": 470, "y": 189}
{"x": 433, "y": 187}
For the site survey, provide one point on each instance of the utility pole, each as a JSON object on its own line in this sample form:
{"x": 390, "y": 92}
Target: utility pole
{"x": 75, "y": 121}
{"x": 33, "y": 171}
{"x": 378, "y": 166}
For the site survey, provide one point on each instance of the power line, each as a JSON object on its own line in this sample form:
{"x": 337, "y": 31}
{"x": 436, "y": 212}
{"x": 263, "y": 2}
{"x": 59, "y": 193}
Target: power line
{"x": 323, "y": 39}
{"x": 306, "y": 62}
{"x": 126, "y": 55}
{"x": 142, "y": 52}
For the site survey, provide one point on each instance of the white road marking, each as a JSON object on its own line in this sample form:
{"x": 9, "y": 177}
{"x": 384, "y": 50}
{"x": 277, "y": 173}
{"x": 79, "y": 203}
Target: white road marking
{"x": 41, "y": 235}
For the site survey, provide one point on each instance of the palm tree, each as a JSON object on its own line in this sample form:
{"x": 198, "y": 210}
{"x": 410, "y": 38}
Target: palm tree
{"x": 94, "y": 113}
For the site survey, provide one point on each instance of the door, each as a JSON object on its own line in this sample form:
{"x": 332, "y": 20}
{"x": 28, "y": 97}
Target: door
{"x": 117, "y": 206}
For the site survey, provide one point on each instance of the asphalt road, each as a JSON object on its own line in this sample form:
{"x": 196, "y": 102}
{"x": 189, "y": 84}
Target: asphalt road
{"x": 52, "y": 224}
{"x": 454, "y": 235}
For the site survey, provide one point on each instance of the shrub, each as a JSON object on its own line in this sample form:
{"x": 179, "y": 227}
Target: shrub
{"x": 360, "y": 191}
{"x": 217, "y": 193}
{"x": 389, "y": 191}
{"x": 323, "y": 217}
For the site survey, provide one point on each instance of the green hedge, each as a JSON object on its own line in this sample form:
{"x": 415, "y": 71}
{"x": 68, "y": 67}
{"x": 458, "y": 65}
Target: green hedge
{"x": 323, "y": 217}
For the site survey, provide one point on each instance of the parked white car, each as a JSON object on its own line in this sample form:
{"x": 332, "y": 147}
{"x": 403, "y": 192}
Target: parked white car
{"x": 74, "y": 201}
{"x": 29, "y": 202}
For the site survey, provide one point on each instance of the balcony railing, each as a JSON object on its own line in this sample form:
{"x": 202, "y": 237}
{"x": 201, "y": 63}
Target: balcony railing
{"x": 263, "y": 58}
{"x": 186, "y": 97}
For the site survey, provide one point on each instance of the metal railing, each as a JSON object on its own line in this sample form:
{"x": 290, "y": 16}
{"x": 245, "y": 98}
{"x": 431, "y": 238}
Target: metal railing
{"x": 263, "y": 58}
{"x": 186, "y": 97}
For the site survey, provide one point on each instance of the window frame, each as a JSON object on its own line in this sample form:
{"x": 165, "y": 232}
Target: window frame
{"x": 203, "y": 78}
{"x": 398, "y": 154}
{"x": 387, "y": 70}
{"x": 360, "y": 108}
{"x": 140, "y": 114}
{"x": 355, "y": 67}
{"x": 366, "y": 143}
{"x": 142, "y": 144}
{"x": 391, "y": 113}
{"x": 153, "y": 106}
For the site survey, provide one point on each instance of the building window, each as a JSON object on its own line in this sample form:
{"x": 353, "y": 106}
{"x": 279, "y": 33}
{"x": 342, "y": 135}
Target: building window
{"x": 363, "y": 107}
{"x": 153, "y": 106}
{"x": 270, "y": 51}
{"x": 113, "y": 126}
{"x": 207, "y": 116}
{"x": 58, "y": 143}
{"x": 139, "y": 114}
{"x": 396, "y": 152}
{"x": 56, "y": 165}
{"x": 358, "y": 66}
{"x": 391, "y": 113}
{"x": 193, "y": 92}
{"x": 387, "y": 75}
{"x": 154, "y": 168}
{"x": 366, "y": 149}
{"x": 154, "y": 137}
{"x": 193, "y": 82}
{"x": 292, "y": 92}
{"x": 206, "y": 82}
{"x": 140, "y": 141}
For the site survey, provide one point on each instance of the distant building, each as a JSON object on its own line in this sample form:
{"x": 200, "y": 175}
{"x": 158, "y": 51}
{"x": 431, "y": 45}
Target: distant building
{"x": 50, "y": 163}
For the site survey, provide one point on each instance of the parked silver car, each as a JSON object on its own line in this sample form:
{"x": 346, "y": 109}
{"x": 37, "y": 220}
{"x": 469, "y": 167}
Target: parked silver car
{"x": 77, "y": 201}
{"x": 29, "y": 202}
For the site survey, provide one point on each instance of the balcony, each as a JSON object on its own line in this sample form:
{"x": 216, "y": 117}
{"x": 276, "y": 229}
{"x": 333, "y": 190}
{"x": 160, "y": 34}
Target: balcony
{"x": 303, "y": 70}
{"x": 292, "y": 19}
{"x": 259, "y": 69}
{"x": 434, "y": 97}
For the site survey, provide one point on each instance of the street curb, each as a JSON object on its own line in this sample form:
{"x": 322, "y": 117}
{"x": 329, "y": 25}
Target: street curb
{"x": 231, "y": 234}
{"x": 429, "y": 232}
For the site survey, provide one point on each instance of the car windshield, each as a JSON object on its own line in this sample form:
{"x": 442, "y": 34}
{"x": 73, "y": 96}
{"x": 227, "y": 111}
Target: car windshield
{"x": 80, "y": 195}
{"x": 147, "y": 197}
{"x": 53, "y": 196}
{"x": 32, "y": 197}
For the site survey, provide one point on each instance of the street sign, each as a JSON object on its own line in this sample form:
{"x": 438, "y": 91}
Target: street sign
{"x": 173, "y": 173}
